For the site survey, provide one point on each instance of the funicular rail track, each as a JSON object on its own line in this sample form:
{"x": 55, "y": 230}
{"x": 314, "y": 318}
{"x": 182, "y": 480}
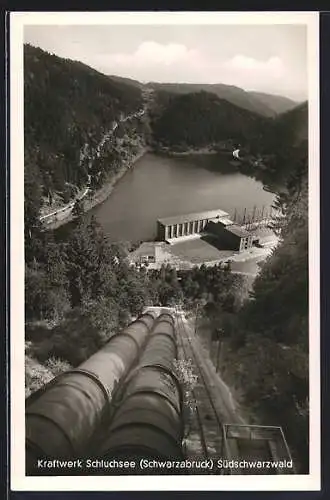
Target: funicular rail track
{"x": 197, "y": 420}
{"x": 222, "y": 432}
{"x": 208, "y": 419}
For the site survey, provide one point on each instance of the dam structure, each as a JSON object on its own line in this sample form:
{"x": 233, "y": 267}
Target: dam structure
{"x": 178, "y": 226}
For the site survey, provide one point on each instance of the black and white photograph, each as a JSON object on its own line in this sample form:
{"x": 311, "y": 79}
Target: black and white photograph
{"x": 164, "y": 246}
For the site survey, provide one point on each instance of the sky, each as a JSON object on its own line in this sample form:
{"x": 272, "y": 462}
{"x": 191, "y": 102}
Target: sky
{"x": 264, "y": 58}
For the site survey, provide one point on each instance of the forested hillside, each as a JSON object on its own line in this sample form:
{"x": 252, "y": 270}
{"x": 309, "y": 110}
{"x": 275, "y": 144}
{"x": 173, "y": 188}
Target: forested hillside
{"x": 201, "y": 119}
{"x": 235, "y": 95}
{"x": 81, "y": 290}
{"x": 69, "y": 112}
{"x": 279, "y": 104}
{"x": 68, "y": 105}
{"x": 284, "y": 144}
{"x": 270, "y": 147}
{"x": 294, "y": 124}
{"x": 129, "y": 81}
{"x": 267, "y": 348}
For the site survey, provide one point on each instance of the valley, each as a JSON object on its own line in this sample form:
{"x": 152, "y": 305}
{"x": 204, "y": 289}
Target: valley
{"x": 105, "y": 158}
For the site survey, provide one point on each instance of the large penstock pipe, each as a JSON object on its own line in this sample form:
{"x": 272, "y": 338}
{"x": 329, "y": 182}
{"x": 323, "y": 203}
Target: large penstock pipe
{"x": 148, "y": 421}
{"x": 61, "y": 419}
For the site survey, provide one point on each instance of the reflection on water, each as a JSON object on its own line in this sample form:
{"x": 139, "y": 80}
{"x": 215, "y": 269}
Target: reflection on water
{"x": 160, "y": 186}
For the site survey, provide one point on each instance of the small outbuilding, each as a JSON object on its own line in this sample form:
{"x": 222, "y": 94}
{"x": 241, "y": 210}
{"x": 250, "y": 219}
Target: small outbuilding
{"x": 232, "y": 236}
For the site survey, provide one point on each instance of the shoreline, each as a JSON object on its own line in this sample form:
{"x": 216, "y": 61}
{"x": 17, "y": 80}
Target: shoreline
{"x": 200, "y": 151}
{"x": 99, "y": 196}
{"x": 192, "y": 152}
{"x": 105, "y": 191}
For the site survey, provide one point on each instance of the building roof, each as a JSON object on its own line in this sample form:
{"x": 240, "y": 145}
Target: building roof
{"x": 146, "y": 248}
{"x": 179, "y": 219}
{"x": 238, "y": 231}
{"x": 226, "y": 221}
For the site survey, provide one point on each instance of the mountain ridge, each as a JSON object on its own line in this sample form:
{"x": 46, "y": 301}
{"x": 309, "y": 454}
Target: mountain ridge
{"x": 70, "y": 110}
{"x": 202, "y": 118}
{"x": 279, "y": 104}
{"x": 253, "y": 101}
{"x": 263, "y": 103}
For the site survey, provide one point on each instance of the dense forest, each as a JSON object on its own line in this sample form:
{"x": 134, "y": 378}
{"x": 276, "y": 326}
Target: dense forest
{"x": 278, "y": 103}
{"x": 191, "y": 121}
{"x": 201, "y": 119}
{"x": 257, "y": 102}
{"x": 69, "y": 112}
{"x": 68, "y": 105}
{"x": 81, "y": 289}
{"x": 265, "y": 346}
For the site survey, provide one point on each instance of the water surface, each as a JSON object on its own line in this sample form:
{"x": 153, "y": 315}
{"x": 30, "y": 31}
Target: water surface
{"x": 160, "y": 186}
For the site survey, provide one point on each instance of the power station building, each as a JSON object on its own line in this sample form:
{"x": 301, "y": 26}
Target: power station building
{"x": 185, "y": 225}
{"x": 217, "y": 222}
{"x": 232, "y": 235}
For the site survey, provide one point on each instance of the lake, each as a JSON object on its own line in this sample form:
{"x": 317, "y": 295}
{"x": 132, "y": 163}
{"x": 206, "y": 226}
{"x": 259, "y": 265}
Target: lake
{"x": 159, "y": 186}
